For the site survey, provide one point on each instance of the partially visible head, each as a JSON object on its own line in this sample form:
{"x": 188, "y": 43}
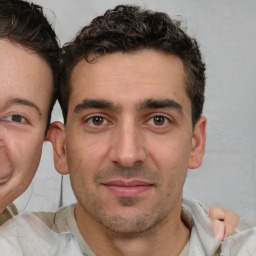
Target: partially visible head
{"x": 29, "y": 60}
{"x": 130, "y": 29}
{"x": 25, "y": 24}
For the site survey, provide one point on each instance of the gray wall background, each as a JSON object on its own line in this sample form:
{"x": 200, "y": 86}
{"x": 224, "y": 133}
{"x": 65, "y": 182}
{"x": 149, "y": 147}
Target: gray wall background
{"x": 226, "y": 32}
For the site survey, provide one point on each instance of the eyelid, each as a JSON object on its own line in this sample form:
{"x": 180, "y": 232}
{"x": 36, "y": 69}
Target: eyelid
{"x": 167, "y": 117}
{"x": 166, "y": 121}
{"x": 8, "y": 118}
{"x": 91, "y": 116}
{"x": 90, "y": 121}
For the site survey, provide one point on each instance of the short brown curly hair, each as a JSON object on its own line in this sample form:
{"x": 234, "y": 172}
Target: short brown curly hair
{"x": 128, "y": 29}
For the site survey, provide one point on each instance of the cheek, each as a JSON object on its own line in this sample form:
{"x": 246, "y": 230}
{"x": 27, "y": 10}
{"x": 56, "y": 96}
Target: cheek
{"x": 24, "y": 156}
{"x": 171, "y": 157}
{"x": 28, "y": 153}
{"x": 170, "y": 153}
{"x": 86, "y": 151}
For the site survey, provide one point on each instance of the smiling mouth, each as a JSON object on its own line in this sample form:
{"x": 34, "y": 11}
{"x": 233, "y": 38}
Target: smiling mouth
{"x": 2, "y": 181}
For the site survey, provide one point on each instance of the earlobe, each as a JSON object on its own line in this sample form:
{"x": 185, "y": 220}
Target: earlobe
{"x": 56, "y": 135}
{"x": 198, "y": 144}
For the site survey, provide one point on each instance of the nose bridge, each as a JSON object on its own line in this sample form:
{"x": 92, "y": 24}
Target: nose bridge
{"x": 127, "y": 145}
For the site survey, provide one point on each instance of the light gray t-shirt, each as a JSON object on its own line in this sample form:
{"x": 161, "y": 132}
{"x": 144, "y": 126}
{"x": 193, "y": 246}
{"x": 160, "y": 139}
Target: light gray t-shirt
{"x": 64, "y": 221}
{"x": 27, "y": 235}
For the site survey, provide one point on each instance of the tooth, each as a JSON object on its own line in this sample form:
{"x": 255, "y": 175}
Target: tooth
{"x": 4, "y": 180}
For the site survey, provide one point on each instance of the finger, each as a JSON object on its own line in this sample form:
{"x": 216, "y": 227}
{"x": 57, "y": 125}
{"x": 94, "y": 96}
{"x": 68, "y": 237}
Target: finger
{"x": 217, "y": 213}
{"x": 218, "y": 229}
{"x": 231, "y": 221}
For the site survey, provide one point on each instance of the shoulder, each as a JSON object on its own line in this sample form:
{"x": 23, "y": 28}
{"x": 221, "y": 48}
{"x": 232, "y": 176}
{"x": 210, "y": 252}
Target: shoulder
{"x": 242, "y": 242}
{"x": 8, "y": 213}
{"x": 15, "y": 226}
{"x": 27, "y": 235}
{"x": 57, "y": 221}
{"x": 202, "y": 240}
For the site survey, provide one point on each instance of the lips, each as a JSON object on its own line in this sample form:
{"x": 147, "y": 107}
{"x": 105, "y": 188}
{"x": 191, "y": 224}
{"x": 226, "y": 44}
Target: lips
{"x": 127, "y": 188}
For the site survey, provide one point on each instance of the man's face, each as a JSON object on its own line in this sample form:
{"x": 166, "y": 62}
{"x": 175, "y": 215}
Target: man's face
{"x": 25, "y": 86}
{"x": 129, "y": 139}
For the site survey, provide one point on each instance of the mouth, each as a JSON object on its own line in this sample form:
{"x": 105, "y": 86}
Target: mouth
{"x": 127, "y": 188}
{"x": 4, "y": 180}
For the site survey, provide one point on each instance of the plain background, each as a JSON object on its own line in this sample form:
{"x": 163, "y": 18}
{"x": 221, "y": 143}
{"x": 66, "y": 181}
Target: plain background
{"x": 225, "y": 30}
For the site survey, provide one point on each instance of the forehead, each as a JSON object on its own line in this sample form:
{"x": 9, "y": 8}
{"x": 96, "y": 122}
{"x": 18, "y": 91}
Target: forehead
{"x": 130, "y": 77}
{"x": 24, "y": 74}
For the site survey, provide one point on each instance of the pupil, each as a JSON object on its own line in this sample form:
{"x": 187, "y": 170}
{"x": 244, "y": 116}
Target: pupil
{"x": 16, "y": 118}
{"x": 159, "y": 120}
{"x": 98, "y": 120}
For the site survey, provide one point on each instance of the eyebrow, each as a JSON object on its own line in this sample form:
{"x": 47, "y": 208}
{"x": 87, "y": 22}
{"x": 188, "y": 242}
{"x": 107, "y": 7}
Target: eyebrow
{"x": 160, "y": 103}
{"x": 95, "y": 103}
{"x": 146, "y": 104}
{"x": 24, "y": 102}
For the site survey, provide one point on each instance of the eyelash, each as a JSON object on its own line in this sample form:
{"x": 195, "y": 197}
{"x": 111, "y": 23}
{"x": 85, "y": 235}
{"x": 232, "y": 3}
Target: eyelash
{"x": 89, "y": 121}
{"x": 166, "y": 120}
{"x": 9, "y": 118}
{"x": 104, "y": 121}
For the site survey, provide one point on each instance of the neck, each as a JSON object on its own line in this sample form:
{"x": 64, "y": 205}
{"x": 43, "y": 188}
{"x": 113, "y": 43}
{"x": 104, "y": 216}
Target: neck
{"x": 167, "y": 238}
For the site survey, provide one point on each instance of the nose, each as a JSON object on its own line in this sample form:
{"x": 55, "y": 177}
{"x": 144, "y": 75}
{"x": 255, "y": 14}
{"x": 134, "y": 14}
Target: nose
{"x": 127, "y": 146}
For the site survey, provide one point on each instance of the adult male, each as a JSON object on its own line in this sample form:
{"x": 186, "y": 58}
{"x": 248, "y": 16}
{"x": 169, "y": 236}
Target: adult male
{"x": 133, "y": 126}
{"x": 132, "y": 97}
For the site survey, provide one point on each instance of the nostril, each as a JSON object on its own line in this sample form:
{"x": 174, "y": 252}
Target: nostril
{"x": 126, "y": 161}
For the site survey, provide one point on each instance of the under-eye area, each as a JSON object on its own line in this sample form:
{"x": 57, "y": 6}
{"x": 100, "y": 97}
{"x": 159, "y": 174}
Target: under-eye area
{"x": 159, "y": 122}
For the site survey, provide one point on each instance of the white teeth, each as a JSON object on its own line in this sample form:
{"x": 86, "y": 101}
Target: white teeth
{"x": 4, "y": 180}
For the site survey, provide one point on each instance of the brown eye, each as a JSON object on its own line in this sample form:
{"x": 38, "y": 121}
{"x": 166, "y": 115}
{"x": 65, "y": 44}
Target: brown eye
{"x": 159, "y": 120}
{"x": 98, "y": 120}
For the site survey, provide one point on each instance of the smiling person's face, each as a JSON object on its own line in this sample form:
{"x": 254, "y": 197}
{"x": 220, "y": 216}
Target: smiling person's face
{"x": 128, "y": 140}
{"x": 26, "y": 87}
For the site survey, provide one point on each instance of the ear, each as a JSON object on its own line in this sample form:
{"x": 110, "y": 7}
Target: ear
{"x": 198, "y": 144}
{"x": 56, "y": 135}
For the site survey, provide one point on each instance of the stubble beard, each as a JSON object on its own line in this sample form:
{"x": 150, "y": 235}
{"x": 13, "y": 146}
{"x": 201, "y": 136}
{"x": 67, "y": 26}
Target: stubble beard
{"x": 129, "y": 224}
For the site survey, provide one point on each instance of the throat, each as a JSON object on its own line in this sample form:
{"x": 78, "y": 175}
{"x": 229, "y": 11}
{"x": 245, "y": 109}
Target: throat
{"x": 168, "y": 238}
{"x": 147, "y": 244}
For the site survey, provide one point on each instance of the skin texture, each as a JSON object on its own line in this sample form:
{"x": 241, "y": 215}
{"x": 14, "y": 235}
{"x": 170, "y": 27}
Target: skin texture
{"x": 127, "y": 145}
{"x": 224, "y": 222}
{"x": 25, "y": 85}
